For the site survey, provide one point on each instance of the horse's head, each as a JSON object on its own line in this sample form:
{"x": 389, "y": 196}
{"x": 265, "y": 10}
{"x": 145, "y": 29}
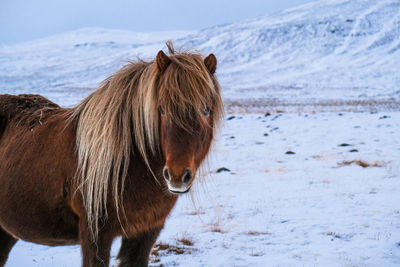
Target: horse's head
{"x": 189, "y": 107}
{"x": 163, "y": 112}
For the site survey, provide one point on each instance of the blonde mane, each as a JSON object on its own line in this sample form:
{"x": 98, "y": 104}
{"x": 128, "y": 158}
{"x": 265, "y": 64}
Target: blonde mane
{"x": 125, "y": 106}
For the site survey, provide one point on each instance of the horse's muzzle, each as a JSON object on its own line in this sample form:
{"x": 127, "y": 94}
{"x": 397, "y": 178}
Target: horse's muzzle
{"x": 178, "y": 184}
{"x": 178, "y": 192}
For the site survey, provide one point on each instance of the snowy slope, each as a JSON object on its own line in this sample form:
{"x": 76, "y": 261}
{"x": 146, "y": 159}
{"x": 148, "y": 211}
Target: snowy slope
{"x": 323, "y": 50}
{"x": 66, "y": 66}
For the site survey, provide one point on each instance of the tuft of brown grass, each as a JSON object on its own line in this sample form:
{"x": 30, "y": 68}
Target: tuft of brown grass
{"x": 317, "y": 156}
{"x": 257, "y": 253}
{"x": 361, "y": 163}
{"x": 197, "y": 212}
{"x": 156, "y": 261}
{"x": 255, "y": 233}
{"x": 216, "y": 228}
{"x": 161, "y": 249}
{"x": 187, "y": 241}
{"x": 170, "y": 248}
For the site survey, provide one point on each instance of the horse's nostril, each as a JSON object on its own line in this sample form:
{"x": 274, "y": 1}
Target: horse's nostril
{"x": 188, "y": 176}
{"x": 166, "y": 173}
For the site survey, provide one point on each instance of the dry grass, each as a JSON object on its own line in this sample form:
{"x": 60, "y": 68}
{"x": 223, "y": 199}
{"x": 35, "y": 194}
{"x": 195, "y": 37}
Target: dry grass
{"x": 257, "y": 253}
{"x": 325, "y": 156}
{"x": 165, "y": 248}
{"x": 183, "y": 245}
{"x": 333, "y": 105}
{"x": 161, "y": 249}
{"x": 220, "y": 225}
{"x": 361, "y": 163}
{"x": 255, "y": 233}
{"x": 197, "y": 212}
{"x": 187, "y": 241}
{"x": 216, "y": 228}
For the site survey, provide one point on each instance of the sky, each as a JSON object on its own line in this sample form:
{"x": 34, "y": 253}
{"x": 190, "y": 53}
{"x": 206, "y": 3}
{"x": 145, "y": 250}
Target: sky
{"x": 24, "y": 20}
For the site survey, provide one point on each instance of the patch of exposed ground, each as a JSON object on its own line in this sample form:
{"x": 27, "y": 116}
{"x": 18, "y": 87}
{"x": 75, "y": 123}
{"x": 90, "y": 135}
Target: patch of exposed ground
{"x": 333, "y": 105}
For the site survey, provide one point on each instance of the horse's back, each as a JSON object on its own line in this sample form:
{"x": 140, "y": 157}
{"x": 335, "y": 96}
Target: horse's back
{"x": 26, "y": 102}
{"x": 37, "y": 163}
{"x": 12, "y": 107}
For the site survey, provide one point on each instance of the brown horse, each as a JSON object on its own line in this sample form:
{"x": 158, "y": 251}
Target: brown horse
{"x": 111, "y": 166}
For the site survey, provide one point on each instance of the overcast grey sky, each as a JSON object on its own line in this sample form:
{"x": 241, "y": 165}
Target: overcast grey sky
{"x": 23, "y": 20}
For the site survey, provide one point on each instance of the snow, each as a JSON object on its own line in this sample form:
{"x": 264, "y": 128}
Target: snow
{"x": 277, "y": 209}
{"x": 70, "y": 65}
{"x": 320, "y": 80}
{"x": 306, "y": 209}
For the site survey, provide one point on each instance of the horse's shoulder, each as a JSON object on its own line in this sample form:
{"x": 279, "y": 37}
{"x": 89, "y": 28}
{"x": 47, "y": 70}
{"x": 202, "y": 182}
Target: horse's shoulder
{"x": 23, "y": 107}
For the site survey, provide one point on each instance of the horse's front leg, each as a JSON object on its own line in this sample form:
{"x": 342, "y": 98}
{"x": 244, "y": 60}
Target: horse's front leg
{"x": 95, "y": 254}
{"x": 6, "y": 244}
{"x": 135, "y": 251}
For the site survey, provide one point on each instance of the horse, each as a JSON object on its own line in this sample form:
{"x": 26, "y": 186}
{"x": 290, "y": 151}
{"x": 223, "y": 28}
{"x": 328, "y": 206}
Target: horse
{"x": 111, "y": 166}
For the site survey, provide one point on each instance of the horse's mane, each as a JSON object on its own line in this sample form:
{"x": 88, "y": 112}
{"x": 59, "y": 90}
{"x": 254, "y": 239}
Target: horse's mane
{"x": 123, "y": 113}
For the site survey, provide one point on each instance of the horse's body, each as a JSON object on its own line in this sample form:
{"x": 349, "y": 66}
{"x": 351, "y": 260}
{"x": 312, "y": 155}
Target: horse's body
{"x": 46, "y": 158}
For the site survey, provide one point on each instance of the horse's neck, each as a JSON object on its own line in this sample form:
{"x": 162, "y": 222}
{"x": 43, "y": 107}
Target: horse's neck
{"x": 146, "y": 193}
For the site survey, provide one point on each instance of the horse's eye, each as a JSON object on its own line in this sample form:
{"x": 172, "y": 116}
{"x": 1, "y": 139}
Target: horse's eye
{"x": 206, "y": 112}
{"x": 161, "y": 110}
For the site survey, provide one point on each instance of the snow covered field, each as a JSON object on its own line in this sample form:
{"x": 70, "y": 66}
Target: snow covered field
{"x": 310, "y": 140}
{"x": 322, "y": 206}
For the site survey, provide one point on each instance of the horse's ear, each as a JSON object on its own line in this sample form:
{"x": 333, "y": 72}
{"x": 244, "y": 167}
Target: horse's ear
{"x": 211, "y": 63}
{"x": 162, "y": 61}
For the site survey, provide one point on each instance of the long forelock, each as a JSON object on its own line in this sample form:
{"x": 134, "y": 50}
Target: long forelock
{"x": 187, "y": 89}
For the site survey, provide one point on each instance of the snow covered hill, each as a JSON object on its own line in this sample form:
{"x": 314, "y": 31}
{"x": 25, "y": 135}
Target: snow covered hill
{"x": 64, "y": 67}
{"x": 325, "y": 50}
